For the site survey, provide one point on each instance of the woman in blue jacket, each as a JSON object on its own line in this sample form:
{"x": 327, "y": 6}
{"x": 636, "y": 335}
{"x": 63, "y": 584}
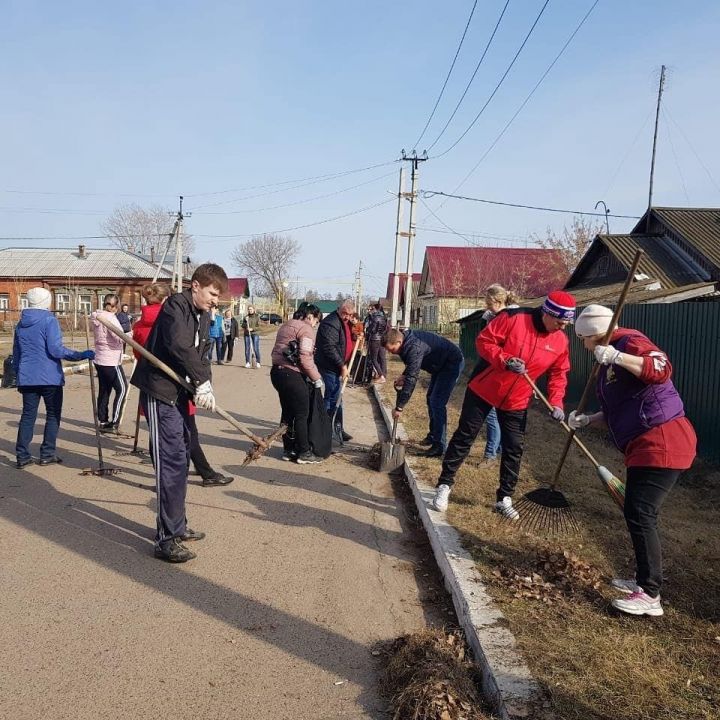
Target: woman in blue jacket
{"x": 217, "y": 335}
{"x": 37, "y": 354}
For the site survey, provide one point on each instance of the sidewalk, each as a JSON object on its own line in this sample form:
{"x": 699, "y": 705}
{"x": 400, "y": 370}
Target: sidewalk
{"x": 303, "y": 570}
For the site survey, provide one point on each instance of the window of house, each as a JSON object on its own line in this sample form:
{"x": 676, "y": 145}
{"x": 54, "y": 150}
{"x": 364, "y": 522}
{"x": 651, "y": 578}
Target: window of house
{"x": 24, "y": 302}
{"x": 62, "y": 302}
{"x": 85, "y": 304}
{"x": 4, "y": 301}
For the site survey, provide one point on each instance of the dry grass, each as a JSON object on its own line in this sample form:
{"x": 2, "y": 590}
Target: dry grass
{"x": 593, "y": 662}
{"x": 428, "y": 677}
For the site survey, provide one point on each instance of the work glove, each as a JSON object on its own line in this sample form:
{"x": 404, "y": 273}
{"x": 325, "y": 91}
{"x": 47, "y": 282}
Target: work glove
{"x": 204, "y": 397}
{"x": 319, "y": 384}
{"x": 516, "y": 365}
{"x": 399, "y": 382}
{"x": 557, "y": 413}
{"x": 577, "y": 420}
{"x": 607, "y": 354}
{"x": 87, "y": 355}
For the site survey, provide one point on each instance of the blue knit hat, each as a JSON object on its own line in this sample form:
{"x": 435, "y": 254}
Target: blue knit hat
{"x": 560, "y": 305}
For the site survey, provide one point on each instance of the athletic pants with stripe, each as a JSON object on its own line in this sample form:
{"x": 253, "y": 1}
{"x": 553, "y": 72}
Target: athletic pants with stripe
{"x": 170, "y": 448}
{"x": 110, "y": 377}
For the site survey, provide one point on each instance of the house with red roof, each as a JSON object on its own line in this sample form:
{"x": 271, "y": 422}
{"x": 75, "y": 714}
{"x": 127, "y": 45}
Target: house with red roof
{"x": 454, "y": 279}
{"x": 237, "y": 295}
{"x": 386, "y": 302}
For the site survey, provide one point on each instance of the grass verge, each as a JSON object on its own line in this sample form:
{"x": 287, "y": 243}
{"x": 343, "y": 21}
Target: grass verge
{"x": 554, "y": 590}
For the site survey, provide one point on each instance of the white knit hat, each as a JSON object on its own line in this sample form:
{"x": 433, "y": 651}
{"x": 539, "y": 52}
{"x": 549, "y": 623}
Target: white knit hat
{"x": 40, "y": 298}
{"x": 593, "y": 320}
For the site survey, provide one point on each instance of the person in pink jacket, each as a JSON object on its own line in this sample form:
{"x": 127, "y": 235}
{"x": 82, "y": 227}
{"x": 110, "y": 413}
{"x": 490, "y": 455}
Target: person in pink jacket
{"x": 108, "y": 363}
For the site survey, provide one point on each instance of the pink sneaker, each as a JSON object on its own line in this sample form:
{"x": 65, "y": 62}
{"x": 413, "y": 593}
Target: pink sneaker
{"x": 639, "y": 603}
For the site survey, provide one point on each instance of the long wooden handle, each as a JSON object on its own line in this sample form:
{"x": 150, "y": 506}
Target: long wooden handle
{"x": 91, "y": 371}
{"x": 590, "y": 384}
{"x": 160, "y": 365}
{"x": 571, "y": 433}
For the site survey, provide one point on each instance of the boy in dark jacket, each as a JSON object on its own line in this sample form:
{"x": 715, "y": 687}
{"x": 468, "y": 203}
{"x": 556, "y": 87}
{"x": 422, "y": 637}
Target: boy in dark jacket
{"x": 180, "y": 338}
{"x": 441, "y": 358}
{"x": 37, "y": 354}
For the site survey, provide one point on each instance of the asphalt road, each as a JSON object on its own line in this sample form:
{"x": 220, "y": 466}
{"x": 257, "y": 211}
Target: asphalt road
{"x": 304, "y": 570}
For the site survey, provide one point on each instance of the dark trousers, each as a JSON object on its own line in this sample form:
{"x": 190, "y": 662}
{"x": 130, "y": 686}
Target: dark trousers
{"x": 52, "y": 396}
{"x": 228, "y": 347}
{"x": 332, "y": 393}
{"x": 170, "y": 448}
{"x": 294, "y": 393}
{"x": 645, "y": 492}
{"x": 512, "y": 426}
{"x": 217, "y": 344}
{"x": 110, "y": 377}
{"x": 377, "y": 356}
{"x": 197, "y": 455}
{"x": 441, "y": 386}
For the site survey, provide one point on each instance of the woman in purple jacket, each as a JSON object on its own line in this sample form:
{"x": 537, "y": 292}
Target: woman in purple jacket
{"x": 37, "y": 356}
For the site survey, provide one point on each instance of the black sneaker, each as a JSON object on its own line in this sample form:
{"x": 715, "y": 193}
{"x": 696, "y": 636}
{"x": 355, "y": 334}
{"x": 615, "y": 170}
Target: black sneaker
{"x": 427, "y": 440}
{"x": 20, "y": 464}
{"x": 107, "y": 427}
{"x": 217, "y": 479}
{"x": 290, "y": 456}
{"x": 308, "y": 458}
{"x": 436, "y": 450}
{"x": 49, "y": 461}
{"x": 346, "y": 436}
{"x": 174, "y": 552}
{"x": 192, "y": 535}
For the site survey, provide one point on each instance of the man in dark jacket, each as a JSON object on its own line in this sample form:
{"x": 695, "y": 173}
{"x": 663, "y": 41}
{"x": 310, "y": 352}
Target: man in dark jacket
{"x": 231, "y": 331}
{"x": 180, "y": 338}
{"x": 375, "y": 327}
{"x": 333, "y": 348}
{"x": 441, "y": 358}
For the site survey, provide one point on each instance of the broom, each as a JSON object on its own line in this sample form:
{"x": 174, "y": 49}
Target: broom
{"x": 546, "y": 508}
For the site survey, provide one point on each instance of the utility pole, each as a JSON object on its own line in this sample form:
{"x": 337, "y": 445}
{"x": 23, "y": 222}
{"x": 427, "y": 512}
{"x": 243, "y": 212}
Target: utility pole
{"x": 358, "y": 286}
{"x": 398, "y": 234}
{"x": 652, "y": 163}
{"x": 415, "y": 160}
{"x": 178, "y": 270}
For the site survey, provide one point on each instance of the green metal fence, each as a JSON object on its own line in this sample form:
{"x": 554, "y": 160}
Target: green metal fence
{"x": 690, "y": 335}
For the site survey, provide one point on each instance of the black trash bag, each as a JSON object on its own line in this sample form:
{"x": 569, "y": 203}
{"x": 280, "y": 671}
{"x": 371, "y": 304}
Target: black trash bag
{"x": 319, "y": 425}
{"x": 9, "y": 380}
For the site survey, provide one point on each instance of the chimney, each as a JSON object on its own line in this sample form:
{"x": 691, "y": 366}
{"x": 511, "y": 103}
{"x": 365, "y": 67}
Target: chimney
{"x": 81, "y": 251}
{"x": 152, "y": 254}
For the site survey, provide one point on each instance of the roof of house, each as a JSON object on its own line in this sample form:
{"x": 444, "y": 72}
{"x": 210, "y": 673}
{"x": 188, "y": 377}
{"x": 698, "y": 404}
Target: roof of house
{"x": 43, "y": 263}
{"x": 238, "y": 287}
{"x": 467, "y": 271}
{"x": 402, "y": 278}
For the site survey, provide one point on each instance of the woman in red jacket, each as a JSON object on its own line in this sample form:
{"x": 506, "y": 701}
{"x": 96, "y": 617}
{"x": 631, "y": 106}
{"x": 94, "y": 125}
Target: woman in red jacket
{"x": 647, "y": 422}
{"x": 516, "y": 342}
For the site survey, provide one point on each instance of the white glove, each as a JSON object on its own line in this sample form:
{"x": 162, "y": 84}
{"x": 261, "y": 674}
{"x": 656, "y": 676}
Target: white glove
{"x": 607, "y": 354}
{"x": 319, "y": 384}
{"x": 204, "y": 397}
{"x": 577, "y": 420}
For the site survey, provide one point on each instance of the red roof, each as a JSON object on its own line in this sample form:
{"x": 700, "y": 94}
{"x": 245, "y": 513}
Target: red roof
{"x": 238, "y": 287}
{"x": 402, "y": 278}
{"x": 467, "y": 271}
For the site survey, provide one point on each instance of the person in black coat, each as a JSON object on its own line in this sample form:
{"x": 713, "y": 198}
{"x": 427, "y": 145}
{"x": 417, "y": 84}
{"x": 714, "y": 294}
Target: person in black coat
{"x": 231, "y": 331}
{"x": 444, "y": 361}
{"x": 333, "y": 348}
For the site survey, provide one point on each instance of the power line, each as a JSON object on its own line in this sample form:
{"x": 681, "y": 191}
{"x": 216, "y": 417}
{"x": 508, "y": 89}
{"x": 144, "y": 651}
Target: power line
{"x": 442, "y": 90}
{"x": 433, "y": 193}
{"x": 442, "y": 222}
{"x": 499, "y": 84}
{"x": 473, "y": 234}
{"x": 627, "y": 154}
{"x": 472, "y": 77}
{"x": 675, "y": 157}
{"x": 52, "y": 211}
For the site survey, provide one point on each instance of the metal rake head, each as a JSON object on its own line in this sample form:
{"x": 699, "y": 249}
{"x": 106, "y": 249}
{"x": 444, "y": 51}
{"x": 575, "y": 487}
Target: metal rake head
{"x": 546, "y": 509}
{"x": 101, "y": 472}
{"x": 257, "y": 451}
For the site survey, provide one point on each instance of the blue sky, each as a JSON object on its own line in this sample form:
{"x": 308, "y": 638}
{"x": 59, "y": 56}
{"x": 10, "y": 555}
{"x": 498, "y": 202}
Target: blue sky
{"x": 157, "y": 99}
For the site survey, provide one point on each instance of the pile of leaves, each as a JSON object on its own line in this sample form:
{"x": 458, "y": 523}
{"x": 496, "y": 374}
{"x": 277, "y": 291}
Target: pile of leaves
{"x": 429, "y": 677}
{"x": 553, "y": 575}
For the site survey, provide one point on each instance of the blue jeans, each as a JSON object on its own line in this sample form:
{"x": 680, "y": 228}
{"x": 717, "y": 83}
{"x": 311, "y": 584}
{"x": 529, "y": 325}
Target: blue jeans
{"x": 255, "y": 347}
{"x": 332, "y": 393}
{"x": 438, "y": 394}
{"x": 52, "y": 395}
{"x": 492, "y": 430}
{"x": 217, "y": 343}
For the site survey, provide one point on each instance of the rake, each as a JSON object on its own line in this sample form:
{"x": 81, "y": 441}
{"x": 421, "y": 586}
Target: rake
{"x": 546, "y": 508}
{"x": 260, "y": 444}
{"x": 102, "y": 470}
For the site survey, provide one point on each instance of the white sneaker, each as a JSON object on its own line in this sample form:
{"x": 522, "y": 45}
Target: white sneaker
{"x": 440, "y": 501}
{"x": 506, "y": 509}
{"x": 626, "y": 586}
{"x": 247, "y": 365}
{"x": 257, "y": 364}
{"x": 638, "y": 603}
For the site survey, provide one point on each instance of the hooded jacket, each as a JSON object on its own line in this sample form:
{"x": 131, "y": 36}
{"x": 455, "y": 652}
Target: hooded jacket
{"x": 108, "y": 346}
{"x": 143, "y": 327}
{"x": 38, "y": 349}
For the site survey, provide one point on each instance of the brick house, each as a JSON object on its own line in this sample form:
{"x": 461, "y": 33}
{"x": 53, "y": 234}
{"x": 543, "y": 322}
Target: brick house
{"x": 77, "y": 278}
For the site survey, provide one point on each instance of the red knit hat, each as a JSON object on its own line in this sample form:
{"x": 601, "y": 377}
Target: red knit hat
{"x": 560, "y": 304}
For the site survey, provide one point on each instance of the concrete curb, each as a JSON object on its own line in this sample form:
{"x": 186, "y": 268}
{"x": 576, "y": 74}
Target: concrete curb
{"x": 506, "y": 680}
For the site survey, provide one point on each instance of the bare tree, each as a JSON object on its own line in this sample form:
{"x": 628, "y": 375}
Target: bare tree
{"x": 572, "y": 243}
{"x": 268, "y": 260}
{"x": 142, "y": 230}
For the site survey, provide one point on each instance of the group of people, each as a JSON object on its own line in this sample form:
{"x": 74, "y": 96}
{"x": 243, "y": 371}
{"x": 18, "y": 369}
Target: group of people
{"x": 224, "y": 332}
{"x": 310, "y": 362}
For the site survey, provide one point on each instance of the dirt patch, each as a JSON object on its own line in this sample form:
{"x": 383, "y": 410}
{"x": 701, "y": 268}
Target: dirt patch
{"x": 555, "y": 592}
{"x": 428, "y": 676}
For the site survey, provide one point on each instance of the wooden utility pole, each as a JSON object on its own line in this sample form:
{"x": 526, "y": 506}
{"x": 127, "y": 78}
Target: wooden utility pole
{"x": 359, "y": 287}
{"x": 398, "y": 234}
{"x": 652, "y": 162}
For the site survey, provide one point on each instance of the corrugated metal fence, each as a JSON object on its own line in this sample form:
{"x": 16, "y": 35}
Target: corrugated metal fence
{"x": 690, "y": 335}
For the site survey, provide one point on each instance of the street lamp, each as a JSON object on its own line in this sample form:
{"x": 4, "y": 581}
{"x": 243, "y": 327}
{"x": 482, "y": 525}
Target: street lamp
{"x": 606, "y": 211}
{"x": 284, "y": 302}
